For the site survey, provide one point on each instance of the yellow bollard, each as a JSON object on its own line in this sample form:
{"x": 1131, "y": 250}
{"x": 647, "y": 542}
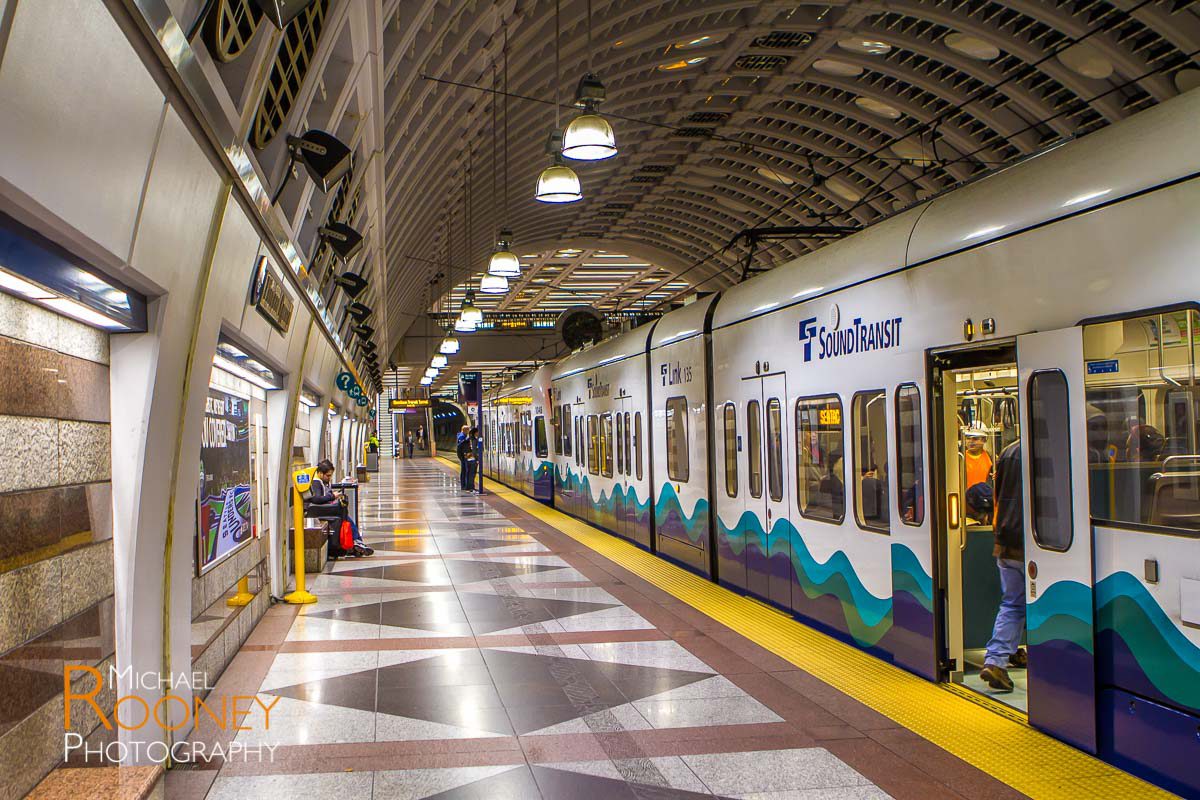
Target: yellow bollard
{"x": 302, "y": 478}
{"x": 243, "y": 596}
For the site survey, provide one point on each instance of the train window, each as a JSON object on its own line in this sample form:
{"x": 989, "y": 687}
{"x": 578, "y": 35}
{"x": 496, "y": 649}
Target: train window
{"x": 870, "y": 460}
{"x": 1143, "y": 421}
{"x": 820, "y": 471}
{"x": 620, "y": 450}
{"x": 566, "y": 430}
{"x": 775, "y": 449}
{"x": 539, "y": 436}
{"x": 910, "y": 478}
{"x": 606, "y": 445}
{"x": 731, "y": 476}
{"x": 580, "y": 443}
{"x": 556, "y": 428}
{"x": 1050, "y": 452}
{"x": 754, "y": 447}
{"x": 593, "y": 454}
{"x": 678, "y": 468}
{"x": 628, "y": 452}
{"x": 637, "y": 441}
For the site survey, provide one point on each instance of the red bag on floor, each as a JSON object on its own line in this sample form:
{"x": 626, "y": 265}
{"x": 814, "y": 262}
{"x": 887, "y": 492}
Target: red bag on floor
{"x": 346, "y": 536}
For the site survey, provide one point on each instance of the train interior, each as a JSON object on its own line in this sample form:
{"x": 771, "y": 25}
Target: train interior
{"x": 977, "y": 419}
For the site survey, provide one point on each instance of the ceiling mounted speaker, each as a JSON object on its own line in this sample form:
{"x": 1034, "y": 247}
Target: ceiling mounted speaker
{"x": 345, "y": 241}
{"x": 579, "y": 325}
{"x": 360, "y": 312}
{"x": 365, "y": 331}
{"x": 323, "y": 155}
{"x": 352, "y": 284}
{"x": 280, "y": 12}
{"x": 369, "y": 346}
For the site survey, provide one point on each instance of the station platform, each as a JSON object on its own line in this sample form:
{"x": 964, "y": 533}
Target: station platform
{"x": 495, "y": 648}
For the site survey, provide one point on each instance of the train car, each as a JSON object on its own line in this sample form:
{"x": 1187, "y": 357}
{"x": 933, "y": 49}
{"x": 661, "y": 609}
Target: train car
{"x": 680, "y": 436}
{"x": 601, "y": 465}
{"x": 516, "y": 435}
{"x": 839, "y": 422}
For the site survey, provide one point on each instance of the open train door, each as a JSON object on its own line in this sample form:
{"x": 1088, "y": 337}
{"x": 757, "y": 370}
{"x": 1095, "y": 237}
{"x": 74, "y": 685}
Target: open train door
{"x": 1058, "y": 536}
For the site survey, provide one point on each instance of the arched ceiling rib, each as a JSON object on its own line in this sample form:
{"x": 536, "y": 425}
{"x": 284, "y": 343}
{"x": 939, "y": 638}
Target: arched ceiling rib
{"x": 687, "y": 196}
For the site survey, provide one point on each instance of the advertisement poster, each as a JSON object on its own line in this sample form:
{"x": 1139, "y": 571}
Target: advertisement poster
{"x": 224, "y": 520}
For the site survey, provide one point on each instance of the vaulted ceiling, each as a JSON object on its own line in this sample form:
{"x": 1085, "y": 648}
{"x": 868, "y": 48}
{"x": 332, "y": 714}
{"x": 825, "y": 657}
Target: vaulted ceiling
{"x": 729, "y": 115}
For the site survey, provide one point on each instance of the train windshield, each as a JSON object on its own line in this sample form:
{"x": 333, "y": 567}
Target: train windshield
{"x": 1143, "y": 420}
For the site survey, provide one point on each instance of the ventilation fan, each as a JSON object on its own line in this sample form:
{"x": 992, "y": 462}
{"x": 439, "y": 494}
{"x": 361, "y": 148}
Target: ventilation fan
{"x": 579, "y": 325}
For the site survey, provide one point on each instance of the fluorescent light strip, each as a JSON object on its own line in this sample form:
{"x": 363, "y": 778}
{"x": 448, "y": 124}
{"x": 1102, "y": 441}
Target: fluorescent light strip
{"x": 220, "y": 362}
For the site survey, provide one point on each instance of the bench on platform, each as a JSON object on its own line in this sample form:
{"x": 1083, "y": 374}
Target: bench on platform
{"x": 316, "y": 546}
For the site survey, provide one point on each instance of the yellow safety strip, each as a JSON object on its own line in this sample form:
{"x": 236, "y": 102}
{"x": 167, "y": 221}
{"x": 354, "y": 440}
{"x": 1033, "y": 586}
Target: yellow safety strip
{"x": 1001, "y": 745}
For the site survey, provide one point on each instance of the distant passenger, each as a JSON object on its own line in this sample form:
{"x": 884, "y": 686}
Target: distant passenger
{"x": 1144, "y": 444}
{"x": 462, "y": 465}
{"x": 410, "y": 442}
{"x": 1003, "y": 650}
{"x": 976, "y": 459}
{"x": 467, "y": 457}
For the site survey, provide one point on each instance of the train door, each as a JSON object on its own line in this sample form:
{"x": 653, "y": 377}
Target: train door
{"x": 1058, "y": 536}
{"x": 974, "y": 409}
{"x": 769, "y": 564}
{"x": 626, "y": 510}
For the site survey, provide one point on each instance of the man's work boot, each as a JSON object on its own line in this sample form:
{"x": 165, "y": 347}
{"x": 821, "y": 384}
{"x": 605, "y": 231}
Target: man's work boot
{"x": 997, "y": 678}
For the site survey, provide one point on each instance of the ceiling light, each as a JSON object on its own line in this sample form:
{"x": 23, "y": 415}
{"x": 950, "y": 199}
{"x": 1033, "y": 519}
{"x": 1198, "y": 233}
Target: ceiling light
{"x": 589, "y": 137}
{"x": 23, "y": 287}
{"x": 431, "y": 372}
{"x": 438, "y": 361}
{"x": 1087, "y": 60}
{"x": 558, "y": 183}
{"x": 503, "y": 262}
{"x": 772, "y": 174}
{"x": 683, "y": 63}
{"x": 464, "y": 325}
{"x": 449, "y": 345}
{"x": 699, "y": 41}
{"x": 878, "y": 108}
{"x": 871, "y": 47}
{"x": 468, "y": 311}
{"x": 971, "y": 46}
{"x": 837, "y": 68}
{"x": 426, "y": 380}
{"x": 233, "y": 368}
{"x": 912, "y": 152}
{"x": 344, "y": 240}
{"x": 493, "y": 284}
{"x": 82, "y": 313}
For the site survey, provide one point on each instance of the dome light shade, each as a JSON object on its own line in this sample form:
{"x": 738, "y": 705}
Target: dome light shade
{"x": 493, "y": 284}
{"x": 469, "y": 312}
{"x": 504, "y": 264}
{"x": 431, "y": 372}
{"x": 449, "y": 345}
{"x": 426, "y": 380}
{"x": 464, "y": 325}
{"x": 558, "y": 183}
{"x": 438, "y": 361}
{"x": 589, "y": 137}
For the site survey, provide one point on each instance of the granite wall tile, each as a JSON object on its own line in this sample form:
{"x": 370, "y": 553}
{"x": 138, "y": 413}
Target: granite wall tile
{"x": 36, "y": 590}
{"x": 30, "y": 447}
{"x": 31, "y": 749}
{"x": 79, "y": 340}
{"x": 30, "y": 522}
{"x": 87, "y": 577}
{"x": 30, "y": 676}
{"x": 84, "y": 718}
{"x": 83, "y": 390}
{"x": 85, "y": 452}
{"x": 100, "y": 510}
{"x": 27, "y": 322}
{"x": 37, "y": 392}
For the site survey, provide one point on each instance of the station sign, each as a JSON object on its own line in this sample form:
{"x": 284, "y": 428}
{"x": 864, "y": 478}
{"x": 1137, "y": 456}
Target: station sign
{"x": 403, "y": 404}
{"x": 270, "y": 298}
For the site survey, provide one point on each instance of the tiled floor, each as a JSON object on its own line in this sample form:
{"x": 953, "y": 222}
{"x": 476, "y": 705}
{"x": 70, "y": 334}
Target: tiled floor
{"x": 481, "y": 654}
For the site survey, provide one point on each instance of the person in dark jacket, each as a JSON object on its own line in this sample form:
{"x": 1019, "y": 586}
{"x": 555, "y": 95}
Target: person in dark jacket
{"x": 462, "y": 465}
{"x": 1003, "y": 649}
{"x": 324, "y": 503}
{"x": 467, "y": 456}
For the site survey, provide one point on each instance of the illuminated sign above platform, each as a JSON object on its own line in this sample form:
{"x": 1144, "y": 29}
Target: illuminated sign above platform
{"x": 400, "y": 404}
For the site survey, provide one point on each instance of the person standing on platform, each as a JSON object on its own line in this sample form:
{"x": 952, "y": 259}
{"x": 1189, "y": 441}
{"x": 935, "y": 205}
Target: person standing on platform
{"x": 462, "y": 465}
{"x": 421, "y": 437}
{"x": 409, "y": 441}
{"x": 466, "y": 457}
{"x": 1003, "y": 650}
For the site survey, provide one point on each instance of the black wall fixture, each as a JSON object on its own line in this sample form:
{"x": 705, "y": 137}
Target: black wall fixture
{"x": 325, "y": 159}
{"x": 365, "y": 331}
{"x": 352, "y": 284}
{"x": 360, "y": 312}
{"x": 344, "y": 240}
{"x": 278, "y": 12}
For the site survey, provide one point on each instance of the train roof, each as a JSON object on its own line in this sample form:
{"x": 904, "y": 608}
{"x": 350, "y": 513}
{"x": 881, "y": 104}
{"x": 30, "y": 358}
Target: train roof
{"x": 1149, "y": 149}
{"x": 616, "y": 348}
{"x": 682, "y": 323}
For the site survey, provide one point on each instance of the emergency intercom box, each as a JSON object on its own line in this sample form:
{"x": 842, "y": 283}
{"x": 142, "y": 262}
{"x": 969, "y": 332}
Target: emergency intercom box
{"x": 302, "y": 479}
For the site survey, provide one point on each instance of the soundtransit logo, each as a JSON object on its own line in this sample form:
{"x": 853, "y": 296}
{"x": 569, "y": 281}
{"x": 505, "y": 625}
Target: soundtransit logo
{"x": 855, "y": 338}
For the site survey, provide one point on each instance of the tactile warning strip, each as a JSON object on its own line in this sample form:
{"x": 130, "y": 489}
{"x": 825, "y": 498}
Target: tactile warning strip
{"x": 1007, "y": 749}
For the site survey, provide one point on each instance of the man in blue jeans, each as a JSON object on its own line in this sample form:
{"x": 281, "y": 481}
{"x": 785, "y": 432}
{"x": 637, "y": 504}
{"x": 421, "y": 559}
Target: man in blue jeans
{"x": 1004, "y": 650}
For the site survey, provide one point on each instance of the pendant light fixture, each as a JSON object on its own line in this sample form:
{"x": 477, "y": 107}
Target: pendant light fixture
{"x": 450, "y": 344}
{"x": 589, "y": 137}
{"x": 431, "y": 372}
{"x": 469, "y": 312}
{"x": 504, "y": 263}
{"x": 558, "y": 183}
{"x": 426, "y": 380}
{"x": 438, "y": 361}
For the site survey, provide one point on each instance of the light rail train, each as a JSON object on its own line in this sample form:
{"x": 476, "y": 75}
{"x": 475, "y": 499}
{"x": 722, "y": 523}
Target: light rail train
{"x": 800, "y": 437}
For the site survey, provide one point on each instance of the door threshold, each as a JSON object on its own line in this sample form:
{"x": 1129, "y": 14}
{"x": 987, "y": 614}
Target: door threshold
{"x": 989, "y": 703}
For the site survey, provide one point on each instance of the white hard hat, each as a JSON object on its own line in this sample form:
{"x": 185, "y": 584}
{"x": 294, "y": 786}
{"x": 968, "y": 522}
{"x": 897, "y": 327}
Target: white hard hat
{"x": 976, "y": 430}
